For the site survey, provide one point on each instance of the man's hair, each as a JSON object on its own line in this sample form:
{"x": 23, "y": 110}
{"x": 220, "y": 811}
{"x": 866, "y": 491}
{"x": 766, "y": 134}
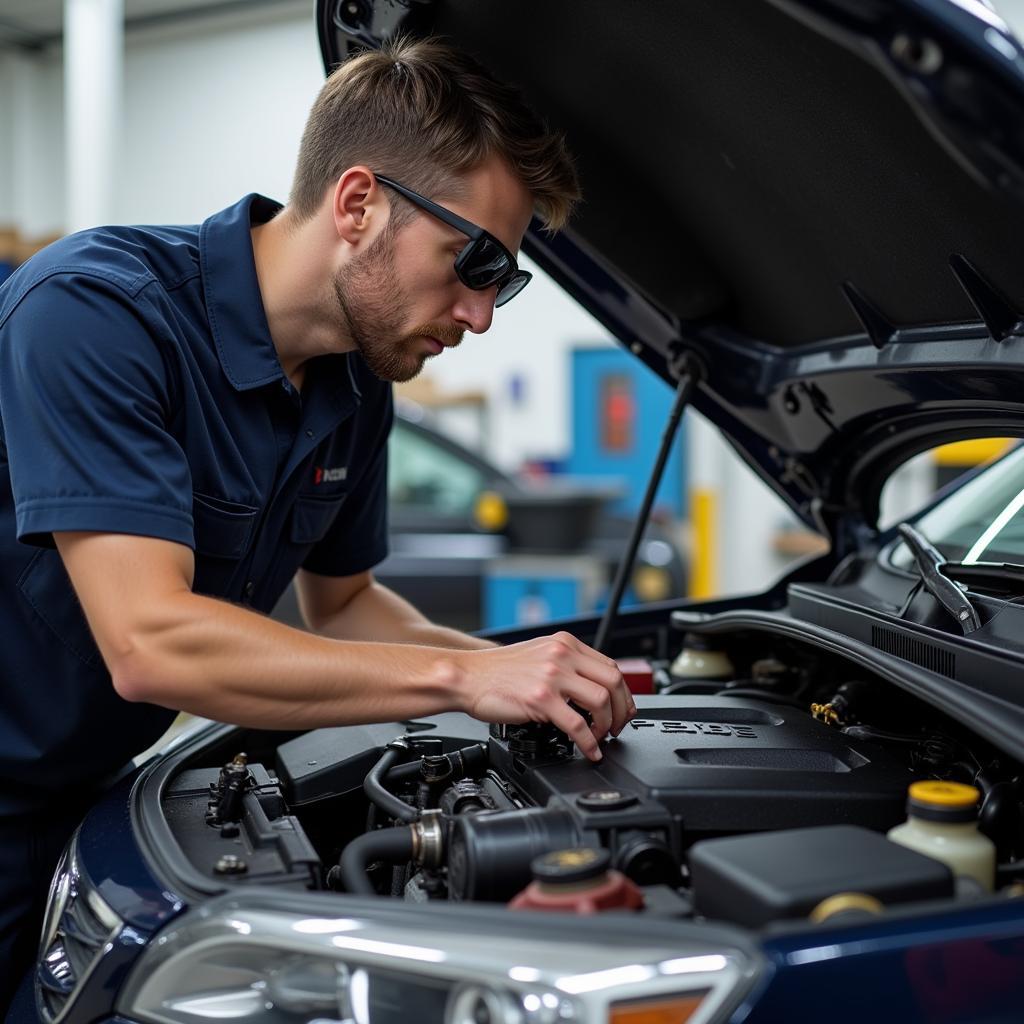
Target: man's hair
{"x": 424, "y": 113}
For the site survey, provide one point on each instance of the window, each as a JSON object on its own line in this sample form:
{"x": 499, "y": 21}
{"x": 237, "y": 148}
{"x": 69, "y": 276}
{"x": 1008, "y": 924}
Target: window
{"x": 424, "y": 474}
{"x": 983, "y": 521}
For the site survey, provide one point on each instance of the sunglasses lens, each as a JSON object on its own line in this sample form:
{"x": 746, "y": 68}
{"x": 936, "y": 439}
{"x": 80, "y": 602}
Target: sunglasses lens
{"x": 485, "y": 264}
{"x": 512, "y": 287}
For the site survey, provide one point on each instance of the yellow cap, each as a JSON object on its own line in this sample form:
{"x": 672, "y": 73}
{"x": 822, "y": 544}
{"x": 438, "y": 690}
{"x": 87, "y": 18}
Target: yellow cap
{"x": 842, "y": 902}
{"x": 944, "y": 794}
{"x": 490, "y": 511}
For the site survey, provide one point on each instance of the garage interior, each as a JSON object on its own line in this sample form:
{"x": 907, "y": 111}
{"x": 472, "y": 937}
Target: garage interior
{"x": 106, "y": 109}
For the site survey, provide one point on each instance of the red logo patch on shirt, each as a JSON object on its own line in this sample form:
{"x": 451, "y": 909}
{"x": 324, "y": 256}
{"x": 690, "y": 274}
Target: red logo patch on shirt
{"x": 329, "y": 476}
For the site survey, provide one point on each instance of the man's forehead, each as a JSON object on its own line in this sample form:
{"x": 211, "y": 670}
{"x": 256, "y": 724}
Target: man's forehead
{"x": 496, "y": 200}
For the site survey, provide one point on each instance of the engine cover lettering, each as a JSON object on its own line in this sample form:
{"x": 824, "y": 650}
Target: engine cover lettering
{"x": 675, "y": 726}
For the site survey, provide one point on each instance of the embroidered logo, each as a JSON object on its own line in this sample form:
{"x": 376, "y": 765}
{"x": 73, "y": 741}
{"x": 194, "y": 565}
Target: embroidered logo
{"x": 329, "y": 476}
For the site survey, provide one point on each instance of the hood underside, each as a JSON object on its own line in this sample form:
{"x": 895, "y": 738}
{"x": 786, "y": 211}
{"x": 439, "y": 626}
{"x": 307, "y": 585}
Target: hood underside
{"x": 820, "y": 198}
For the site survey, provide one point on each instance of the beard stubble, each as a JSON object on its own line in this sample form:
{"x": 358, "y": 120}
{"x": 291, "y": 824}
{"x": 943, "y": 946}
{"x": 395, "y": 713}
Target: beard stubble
{"x": 372, "y": 306}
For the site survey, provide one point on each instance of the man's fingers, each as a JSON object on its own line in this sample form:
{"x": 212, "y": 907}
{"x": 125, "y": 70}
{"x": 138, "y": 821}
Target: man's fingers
{"x": 595, "y": 699}
{"x": 575, "y": 727}
{"x": 609, "y": 677}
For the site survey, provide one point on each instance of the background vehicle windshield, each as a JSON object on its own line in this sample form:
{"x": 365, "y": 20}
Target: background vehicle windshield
{"x": 980, "y": 522}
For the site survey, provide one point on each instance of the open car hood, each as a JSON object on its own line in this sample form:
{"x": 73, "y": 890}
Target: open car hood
{"x": 822, "y": 199}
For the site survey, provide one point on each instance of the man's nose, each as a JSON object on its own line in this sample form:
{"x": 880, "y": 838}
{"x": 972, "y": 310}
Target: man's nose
{"x": 474, "y": 310}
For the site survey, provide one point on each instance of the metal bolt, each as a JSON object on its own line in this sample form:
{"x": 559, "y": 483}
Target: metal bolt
{"x": 230, "y": 864}
{"x": 921, "y": 55}
{"x": 636, "y": 348}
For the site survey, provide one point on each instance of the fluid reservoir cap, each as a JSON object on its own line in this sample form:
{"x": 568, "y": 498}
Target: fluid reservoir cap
{"x": 566, "y": 867}
{"x": 943, "y": 801}
{"x": 605, "y": 800}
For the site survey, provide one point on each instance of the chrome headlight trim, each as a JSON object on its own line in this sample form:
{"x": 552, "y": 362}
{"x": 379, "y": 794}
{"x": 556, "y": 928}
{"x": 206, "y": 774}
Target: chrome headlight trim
{"x": 564, "y": 961}
{"x": 78, "y": 928}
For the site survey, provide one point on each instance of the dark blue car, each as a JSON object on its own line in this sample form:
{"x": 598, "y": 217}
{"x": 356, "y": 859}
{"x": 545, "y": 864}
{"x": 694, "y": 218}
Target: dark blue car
{"x": 807, "y": 216}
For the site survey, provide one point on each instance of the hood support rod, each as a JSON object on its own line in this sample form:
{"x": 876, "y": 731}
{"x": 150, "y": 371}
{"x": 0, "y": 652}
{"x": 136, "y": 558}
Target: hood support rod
{"x": 689, "y": 372}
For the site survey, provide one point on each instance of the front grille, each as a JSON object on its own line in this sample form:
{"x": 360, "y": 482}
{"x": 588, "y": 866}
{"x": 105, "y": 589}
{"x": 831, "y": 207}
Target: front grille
{"x": 76, "y": 933}
{"x": 914, "y": 650}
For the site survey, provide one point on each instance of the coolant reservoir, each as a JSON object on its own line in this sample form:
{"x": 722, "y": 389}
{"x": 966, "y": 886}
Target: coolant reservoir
{"x": 577, "y": 881}
{"x": 698, "y": 660}
{"x": 942, "y": 822}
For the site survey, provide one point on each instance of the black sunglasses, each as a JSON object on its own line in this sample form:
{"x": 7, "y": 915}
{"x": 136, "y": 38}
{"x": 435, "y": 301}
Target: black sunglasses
{"x": 484, "y": 261}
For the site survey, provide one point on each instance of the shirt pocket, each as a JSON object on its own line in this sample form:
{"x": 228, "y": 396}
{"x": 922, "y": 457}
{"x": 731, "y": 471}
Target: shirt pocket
{"x": 313, "y": 515}
{"x": 45, "y": 584}
{"x": 222, "y": 529}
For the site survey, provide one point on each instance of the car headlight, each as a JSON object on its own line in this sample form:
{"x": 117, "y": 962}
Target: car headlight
{"x": 77, "y": 929}
{"x": 257, "y": 959}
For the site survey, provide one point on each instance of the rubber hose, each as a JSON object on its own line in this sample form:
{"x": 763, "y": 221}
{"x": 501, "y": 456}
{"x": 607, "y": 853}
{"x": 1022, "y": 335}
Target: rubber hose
{"x": 393, "y": 845}
{"x": 468, "y": 762}
{"x": 373, "y": 787}
{"x": 403, "y": 773}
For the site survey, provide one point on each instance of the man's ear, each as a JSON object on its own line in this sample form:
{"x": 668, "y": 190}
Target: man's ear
{"x": 358, "y": 205}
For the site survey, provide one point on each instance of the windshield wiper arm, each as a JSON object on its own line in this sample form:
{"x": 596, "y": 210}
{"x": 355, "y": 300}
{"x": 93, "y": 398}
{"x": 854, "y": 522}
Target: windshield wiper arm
{"x": 930, "y": 563}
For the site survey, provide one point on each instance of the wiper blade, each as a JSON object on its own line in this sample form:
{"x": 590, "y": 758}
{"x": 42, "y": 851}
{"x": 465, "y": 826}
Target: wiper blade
{"x": 931, "y": 565}
{"x": 1009, "y": 574}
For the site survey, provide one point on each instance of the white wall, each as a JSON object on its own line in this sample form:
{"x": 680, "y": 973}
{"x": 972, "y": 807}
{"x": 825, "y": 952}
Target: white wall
{"x": 214, "y": 110}
{"x": 33, "y": 152}
{"x": 6, "y": 143}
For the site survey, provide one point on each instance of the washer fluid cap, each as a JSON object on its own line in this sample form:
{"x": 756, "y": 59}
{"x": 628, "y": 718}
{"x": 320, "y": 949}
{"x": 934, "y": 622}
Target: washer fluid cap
{"x": 943, "y": 801}
{"x": 944, "y": 794}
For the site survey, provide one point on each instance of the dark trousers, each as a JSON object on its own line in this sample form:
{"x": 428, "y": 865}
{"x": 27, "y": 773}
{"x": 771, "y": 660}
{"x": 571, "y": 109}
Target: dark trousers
{"x": 30, "y": 846}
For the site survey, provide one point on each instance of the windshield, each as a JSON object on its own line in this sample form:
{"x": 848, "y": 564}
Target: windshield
{"x": 983, "y": 521}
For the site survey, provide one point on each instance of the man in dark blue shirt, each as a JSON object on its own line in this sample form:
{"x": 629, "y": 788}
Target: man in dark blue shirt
{"x": 193, "y": 416}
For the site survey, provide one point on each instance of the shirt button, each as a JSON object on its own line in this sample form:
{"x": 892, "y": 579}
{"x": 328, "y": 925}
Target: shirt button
{"x": 250, "y": 588}
{"x": 309, "y": 433}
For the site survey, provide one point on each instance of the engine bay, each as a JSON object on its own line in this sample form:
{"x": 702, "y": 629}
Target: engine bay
{"x": 755, "y": 785}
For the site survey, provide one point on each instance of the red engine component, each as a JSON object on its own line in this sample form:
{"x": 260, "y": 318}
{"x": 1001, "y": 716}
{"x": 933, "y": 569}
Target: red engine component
{"x": 638, "y": 674}
{"x": 577, "y": 881}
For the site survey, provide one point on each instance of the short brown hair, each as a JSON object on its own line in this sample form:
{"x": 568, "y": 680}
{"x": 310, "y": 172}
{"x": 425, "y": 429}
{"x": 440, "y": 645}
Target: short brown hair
{"x": 424, "y": 112}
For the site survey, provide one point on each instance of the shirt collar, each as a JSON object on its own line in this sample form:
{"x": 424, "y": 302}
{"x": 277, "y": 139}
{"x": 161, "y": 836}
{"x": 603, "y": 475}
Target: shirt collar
{"x": 234, "y": 304}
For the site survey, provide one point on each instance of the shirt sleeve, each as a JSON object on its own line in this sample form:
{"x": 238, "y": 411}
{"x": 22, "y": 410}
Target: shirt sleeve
{"x": 357, "y": 540}
{"x": 85, "y": 400}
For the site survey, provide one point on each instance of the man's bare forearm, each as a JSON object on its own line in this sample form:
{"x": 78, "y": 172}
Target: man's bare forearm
{"x": 220, "y": 661}
{"x": 164, "y": 644}
{"x": 378, "y": 613}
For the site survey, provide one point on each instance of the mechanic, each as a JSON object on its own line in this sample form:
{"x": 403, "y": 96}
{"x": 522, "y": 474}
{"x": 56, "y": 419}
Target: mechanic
{"x": 194, "y": 415}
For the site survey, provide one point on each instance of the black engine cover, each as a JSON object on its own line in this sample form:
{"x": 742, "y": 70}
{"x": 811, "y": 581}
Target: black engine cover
{"x": 721, "y": 765}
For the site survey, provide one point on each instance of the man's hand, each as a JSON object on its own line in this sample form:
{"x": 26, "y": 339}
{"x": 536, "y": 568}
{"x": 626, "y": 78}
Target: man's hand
{"x": 532, "y": 681}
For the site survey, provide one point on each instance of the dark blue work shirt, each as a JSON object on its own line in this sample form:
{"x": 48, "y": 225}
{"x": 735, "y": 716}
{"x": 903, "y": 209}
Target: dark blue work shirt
{"x": 140, "y": 393}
